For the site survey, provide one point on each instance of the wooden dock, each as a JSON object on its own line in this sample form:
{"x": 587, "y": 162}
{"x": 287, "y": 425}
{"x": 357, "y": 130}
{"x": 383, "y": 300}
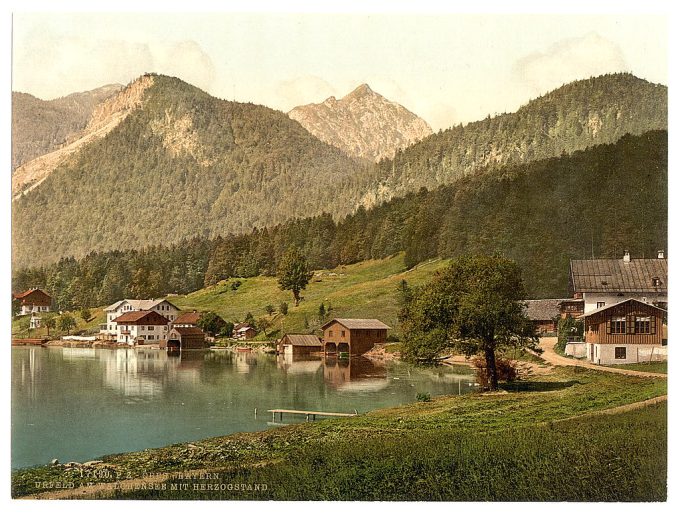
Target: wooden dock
{"x": 308, "y": 413}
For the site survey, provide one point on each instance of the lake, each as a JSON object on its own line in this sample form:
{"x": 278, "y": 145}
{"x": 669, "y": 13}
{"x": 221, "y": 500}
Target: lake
{"x": 77, "y": 404}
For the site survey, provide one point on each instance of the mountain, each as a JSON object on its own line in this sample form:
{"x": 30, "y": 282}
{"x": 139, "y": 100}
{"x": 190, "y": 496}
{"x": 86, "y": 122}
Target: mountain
{"x": 166, "y": 161}
{"x": 41, "y": 126}
{"x": 163, "y": 160}
{"x": 573, "y": 117}
{"x": 363, "y": 123}
{"x": 599, "y": 201}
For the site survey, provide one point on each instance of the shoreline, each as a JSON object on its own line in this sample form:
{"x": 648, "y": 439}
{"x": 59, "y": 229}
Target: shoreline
{"x": 553, "y": 398}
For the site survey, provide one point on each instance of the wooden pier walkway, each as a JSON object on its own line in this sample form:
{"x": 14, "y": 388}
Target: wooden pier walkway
{"x": 308, "y": 413}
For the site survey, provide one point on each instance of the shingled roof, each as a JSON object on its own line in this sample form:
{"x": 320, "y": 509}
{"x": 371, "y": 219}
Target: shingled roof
{"x": 188, "y": 318}
{"x": 145, "y": 317}
{"x": 543, "y": 309}
{"x": 303, "y": 340}
{"x": 358, "y": 323}
{"x": 619, "y": 276}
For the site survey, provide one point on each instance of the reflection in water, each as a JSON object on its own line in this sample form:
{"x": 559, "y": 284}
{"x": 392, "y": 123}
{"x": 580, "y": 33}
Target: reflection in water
{"x": 356, "y": 373}
{"x": 79, "y": 404}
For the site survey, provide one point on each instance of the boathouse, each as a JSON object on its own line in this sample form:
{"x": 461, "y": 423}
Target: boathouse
{"x": 353, "y": 336}
{"x": 627, "y": 332}
{"x": 183, "y": 338}
{"x": 299, "y": 344}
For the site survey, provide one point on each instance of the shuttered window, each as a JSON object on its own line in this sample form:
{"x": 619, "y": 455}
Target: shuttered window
{"x": 619, "y": 353}
{"x": 618, "y": 325}
{"x": 643, "y": 325}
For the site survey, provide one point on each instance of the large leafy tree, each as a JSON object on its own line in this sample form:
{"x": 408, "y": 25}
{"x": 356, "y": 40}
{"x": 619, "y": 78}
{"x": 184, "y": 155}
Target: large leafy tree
{"x": 293, "y": 272}
{"x": 66, "y": 323}
{"x": 474, "y": 306}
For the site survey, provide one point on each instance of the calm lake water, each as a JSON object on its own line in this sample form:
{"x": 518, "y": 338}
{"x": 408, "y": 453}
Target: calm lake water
{"x": 79, "y": 404}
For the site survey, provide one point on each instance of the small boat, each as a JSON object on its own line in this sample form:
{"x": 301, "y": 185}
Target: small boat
{"x": 243, "y": 349}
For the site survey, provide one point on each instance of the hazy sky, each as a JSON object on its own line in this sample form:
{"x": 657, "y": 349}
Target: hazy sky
{"x": 445, "y": 68}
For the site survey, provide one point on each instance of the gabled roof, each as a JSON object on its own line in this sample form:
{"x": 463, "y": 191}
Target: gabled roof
{"x": 145, "y": 316}
{"x": 29, "y": 292}
{"x": 358, "y": 323}
{"x": 605, "y": 308}
{"x": 188, "y": 331}
{"x": 243, "y": 327}
{"x": 303, "y": 340}
{"x": 543, "y": 309}
{"x": 618, "y": 276}
{"x": 114, "y": 306}
{"x": 188, "y": 318}
{"x": 139, "y": 304}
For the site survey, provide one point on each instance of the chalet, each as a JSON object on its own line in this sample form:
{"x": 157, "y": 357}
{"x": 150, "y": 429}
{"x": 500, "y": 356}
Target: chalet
{"x": 299, "y": 344}
{"x": 543, "y": 313}
{"x": 244, "y": 332}
{"x": 629, "y": 331}
{"x": 34, "y": 300}
{"x": 605, "y": 282}
{"x": 140, "y": 327}
{"x": 161, "y": 306}
{"x": 354, "y": 336}
{"x": 187, "y": 319}
{"x": 183, "y": 338}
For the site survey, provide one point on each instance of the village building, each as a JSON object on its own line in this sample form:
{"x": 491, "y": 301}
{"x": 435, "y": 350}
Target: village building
{"x": 186, "y": 337}
{"x": 189, "y": 319}
{"x": 353, "y": 336}
{"x": 299, "y": 344}
{"x": 605, "y": 282}
{"x": 34, "y": 300}
{"x": 141, "y": 327}
{"x": 161, "y": 306}
{"x": 244, "y": 332}
{"x": 629, "y": 331}
{"x": 544, "y": 314}
{"x": 571, "y": 308}
{"x": 35, "y": 322}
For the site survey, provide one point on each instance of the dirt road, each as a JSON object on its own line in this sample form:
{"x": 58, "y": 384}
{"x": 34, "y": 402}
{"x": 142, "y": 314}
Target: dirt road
{"x": 549, "y": 354}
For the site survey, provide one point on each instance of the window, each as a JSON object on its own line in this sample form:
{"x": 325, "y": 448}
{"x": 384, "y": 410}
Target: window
{"x": 150, "y": 328}
{"x": 600, "y": 305}
{"x": 342, "y": 333}
{"x": 619, "y": 353}
{"x": 643, "y": 325}
{"x": 330, "y": 334}
{"x": 618, "y": 325}
{"x": 656, "y": 282}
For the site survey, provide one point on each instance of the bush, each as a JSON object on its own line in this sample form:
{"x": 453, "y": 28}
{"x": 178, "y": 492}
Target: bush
{"x": 235, "y": 285}
{"x": 504, "y": 367}
{"x": 423, "y": 397}
{"x": 283, "y": 308}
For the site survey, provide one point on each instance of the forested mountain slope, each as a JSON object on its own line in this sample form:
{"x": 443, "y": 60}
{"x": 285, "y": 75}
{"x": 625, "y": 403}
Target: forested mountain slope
{"x": 40, "y": 126}
{"x": 183, "y": 163}
{"x": 573, "y": 117}
{"x": 597, "y": 202}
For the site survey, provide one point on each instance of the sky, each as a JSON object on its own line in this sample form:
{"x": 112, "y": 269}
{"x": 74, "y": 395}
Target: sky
{"x": 447, "y": 68}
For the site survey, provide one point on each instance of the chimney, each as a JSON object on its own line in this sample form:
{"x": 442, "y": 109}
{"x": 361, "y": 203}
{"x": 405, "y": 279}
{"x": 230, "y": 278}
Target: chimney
{"x": 660, "y": 254}
{"x": 626, "y": 257}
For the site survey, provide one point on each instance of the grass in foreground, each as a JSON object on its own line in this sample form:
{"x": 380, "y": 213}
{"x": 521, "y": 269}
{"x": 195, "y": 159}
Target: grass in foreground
{"x": 659, "y": 367}
{"x": 473, "y": 447}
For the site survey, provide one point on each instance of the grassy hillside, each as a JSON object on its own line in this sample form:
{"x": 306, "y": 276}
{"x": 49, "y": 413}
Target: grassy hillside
{"x": 364, "y": 290}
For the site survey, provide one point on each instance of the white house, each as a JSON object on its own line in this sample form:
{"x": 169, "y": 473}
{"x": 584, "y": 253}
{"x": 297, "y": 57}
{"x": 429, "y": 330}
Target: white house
{"x": 163, "y": 307}
{"x": 141, "y": 327}
{"x": 605, "y": 282}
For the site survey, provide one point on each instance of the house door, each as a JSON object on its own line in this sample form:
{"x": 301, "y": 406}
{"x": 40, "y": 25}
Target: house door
{"x": 592, "y": 353}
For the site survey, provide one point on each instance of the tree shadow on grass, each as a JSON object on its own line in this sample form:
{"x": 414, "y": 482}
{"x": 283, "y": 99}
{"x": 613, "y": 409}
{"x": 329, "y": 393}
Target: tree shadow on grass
{"x": 538, "y": 386}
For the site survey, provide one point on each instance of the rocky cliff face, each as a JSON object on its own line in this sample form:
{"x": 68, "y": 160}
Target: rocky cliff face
{"x": 363, "y": 124}
{"x": 103, "y": 118}
{"x": 41, "y": 126}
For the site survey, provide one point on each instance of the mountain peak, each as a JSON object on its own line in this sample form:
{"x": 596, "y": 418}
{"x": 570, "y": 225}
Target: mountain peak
{"x": 363, "y": 123}
{"x": 363, "y": 90}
